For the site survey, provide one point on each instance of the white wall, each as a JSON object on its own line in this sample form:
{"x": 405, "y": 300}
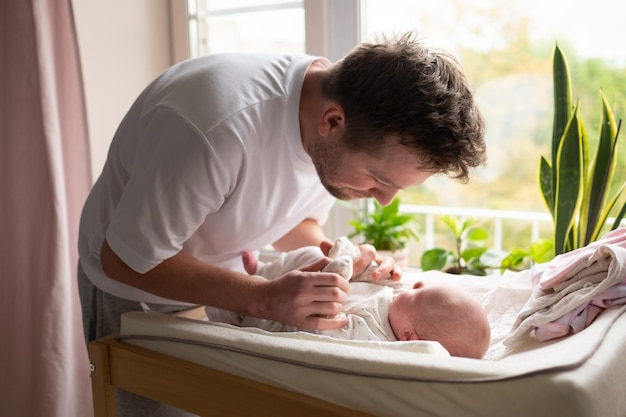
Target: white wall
{"x": 123, "y": 46}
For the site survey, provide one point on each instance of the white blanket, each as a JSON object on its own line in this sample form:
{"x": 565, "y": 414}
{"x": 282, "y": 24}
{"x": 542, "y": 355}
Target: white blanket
{"x": 502, "y": 296}
{"x": 577, "y": 376}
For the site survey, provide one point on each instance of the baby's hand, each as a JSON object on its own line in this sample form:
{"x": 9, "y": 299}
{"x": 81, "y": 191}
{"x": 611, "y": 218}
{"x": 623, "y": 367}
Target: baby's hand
{"x": 384, "y": 268}
{"x": 367, "y": 265}
{"x": 372, "y": 267}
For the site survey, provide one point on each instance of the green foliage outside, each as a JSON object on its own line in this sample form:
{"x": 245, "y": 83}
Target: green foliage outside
{"x": 576, "y": 184}
{"x": 471, "y": 253}
{"x": 469, "y": 247}
{"x": 385, "y": 227}
{"x": 526, "y": 133}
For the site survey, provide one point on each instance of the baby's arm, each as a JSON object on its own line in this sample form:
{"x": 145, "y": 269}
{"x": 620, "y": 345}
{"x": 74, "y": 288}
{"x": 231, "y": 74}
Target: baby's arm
{"x": 380, "y": 264}
{"x": 285, "y": 262}
{"x": 343, "y": 252}
{"x": 344, "y": 247}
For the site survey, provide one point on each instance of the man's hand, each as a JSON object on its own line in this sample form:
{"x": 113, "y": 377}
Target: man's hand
{"x": 386, "y": 267}
{"x": 305, "y": 298}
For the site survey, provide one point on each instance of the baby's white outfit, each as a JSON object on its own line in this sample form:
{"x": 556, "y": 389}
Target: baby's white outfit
{"x": 368, "y": 304}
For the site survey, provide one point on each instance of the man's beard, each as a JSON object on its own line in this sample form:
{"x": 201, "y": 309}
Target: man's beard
{"x": 327, "y": 164}
{"x": 337, "y": 192}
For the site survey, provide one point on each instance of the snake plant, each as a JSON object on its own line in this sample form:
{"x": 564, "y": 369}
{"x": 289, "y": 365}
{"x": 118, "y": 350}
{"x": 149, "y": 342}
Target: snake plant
{"x": 575, "y": 189}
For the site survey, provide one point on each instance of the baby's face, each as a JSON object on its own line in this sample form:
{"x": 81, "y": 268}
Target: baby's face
{"x": 443, "y": 313}
{"x": 403, "y": 312}
{"x": 420, "y": 308}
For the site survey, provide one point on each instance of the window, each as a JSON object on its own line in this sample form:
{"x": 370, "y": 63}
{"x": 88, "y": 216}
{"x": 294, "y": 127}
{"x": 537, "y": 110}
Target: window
{"x": 506, "y": 48}
{"x": 246, "y": 25}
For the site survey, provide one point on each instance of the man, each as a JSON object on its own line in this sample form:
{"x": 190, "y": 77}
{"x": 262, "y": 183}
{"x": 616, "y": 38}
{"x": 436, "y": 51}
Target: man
{"x": 232, "y": 152}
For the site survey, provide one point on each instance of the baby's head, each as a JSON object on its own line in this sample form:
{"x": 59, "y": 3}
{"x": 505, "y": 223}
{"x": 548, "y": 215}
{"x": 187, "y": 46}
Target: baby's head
{"x": 444, "y": 313}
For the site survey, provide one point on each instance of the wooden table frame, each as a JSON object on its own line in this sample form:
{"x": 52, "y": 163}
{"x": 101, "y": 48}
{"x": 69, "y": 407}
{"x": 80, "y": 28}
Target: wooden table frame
{"x": 192, "y": 387}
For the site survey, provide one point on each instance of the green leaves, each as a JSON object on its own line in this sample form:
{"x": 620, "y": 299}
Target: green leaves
{"x": 385, "y": 227}
{"x": 518, "y": 259}
{"x": 569, "y": 178}
{"x": 435, "y": 259}
{"x": 576, "y": 191}
{"x": 470, "y": 240}
{"x": 602, "y": 168}
{"x": 562, "y": 99}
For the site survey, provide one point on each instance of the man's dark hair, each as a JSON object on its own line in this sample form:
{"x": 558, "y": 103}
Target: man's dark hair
{"x": 400, "y": 87}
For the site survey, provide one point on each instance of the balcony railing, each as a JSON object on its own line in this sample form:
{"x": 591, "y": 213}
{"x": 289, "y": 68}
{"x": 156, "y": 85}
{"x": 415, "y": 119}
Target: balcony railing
{"x": 495, "y": 217}
{"x": 528, "y": 226}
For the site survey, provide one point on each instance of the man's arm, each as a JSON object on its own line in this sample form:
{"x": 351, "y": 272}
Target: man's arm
{"x": 307, "y": 233}
{"x": 303, "y": 298}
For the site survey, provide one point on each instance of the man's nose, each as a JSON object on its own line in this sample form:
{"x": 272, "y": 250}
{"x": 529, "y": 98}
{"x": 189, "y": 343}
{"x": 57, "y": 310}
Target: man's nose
{"x": 384, "y": 197}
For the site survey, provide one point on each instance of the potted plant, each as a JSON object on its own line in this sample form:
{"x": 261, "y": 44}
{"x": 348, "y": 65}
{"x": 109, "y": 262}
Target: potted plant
{"x": 469, "y": 248}
{"x": 471, "y": 256}
{"x": 576, "y": 188}
{"x": 385, "y": 228}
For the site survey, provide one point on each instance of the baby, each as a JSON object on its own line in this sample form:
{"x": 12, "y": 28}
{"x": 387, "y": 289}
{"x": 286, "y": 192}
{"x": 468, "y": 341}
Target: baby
{"x": 439, "y": 312}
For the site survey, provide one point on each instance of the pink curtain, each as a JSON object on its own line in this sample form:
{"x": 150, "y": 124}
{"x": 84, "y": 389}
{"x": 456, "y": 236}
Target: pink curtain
{"x": 44, "y": 179}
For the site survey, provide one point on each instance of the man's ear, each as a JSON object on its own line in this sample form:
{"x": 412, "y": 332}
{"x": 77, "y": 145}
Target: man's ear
{"x": 332, "y": 119}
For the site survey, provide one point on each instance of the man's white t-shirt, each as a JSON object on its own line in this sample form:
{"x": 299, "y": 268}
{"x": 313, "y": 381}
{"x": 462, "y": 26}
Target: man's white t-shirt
{"x": 208, "y": 160}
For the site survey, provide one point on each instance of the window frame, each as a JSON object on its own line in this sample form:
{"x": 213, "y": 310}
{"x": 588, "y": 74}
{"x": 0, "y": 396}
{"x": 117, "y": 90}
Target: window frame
{"x": 332, "y": 28}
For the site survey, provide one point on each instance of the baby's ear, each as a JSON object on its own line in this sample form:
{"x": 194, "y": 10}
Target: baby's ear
{"x": 250, "y": 263}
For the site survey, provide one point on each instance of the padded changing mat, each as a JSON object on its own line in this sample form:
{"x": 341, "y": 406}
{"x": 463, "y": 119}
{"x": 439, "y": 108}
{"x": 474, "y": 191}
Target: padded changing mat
{"x": 579, "y": 375}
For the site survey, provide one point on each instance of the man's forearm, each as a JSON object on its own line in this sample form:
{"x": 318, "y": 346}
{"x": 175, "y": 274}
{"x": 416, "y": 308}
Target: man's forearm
{"x": 307, "y": 233}
{"x": 302, "y": 298}
{"x": 186, "y": 278}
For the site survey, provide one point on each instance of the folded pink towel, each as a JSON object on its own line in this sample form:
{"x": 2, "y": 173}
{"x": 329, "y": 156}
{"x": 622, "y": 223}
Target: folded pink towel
{"x": 572, "y": 289}
{"x": 582, "y": 316}
{"x": 567, "y": 265}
